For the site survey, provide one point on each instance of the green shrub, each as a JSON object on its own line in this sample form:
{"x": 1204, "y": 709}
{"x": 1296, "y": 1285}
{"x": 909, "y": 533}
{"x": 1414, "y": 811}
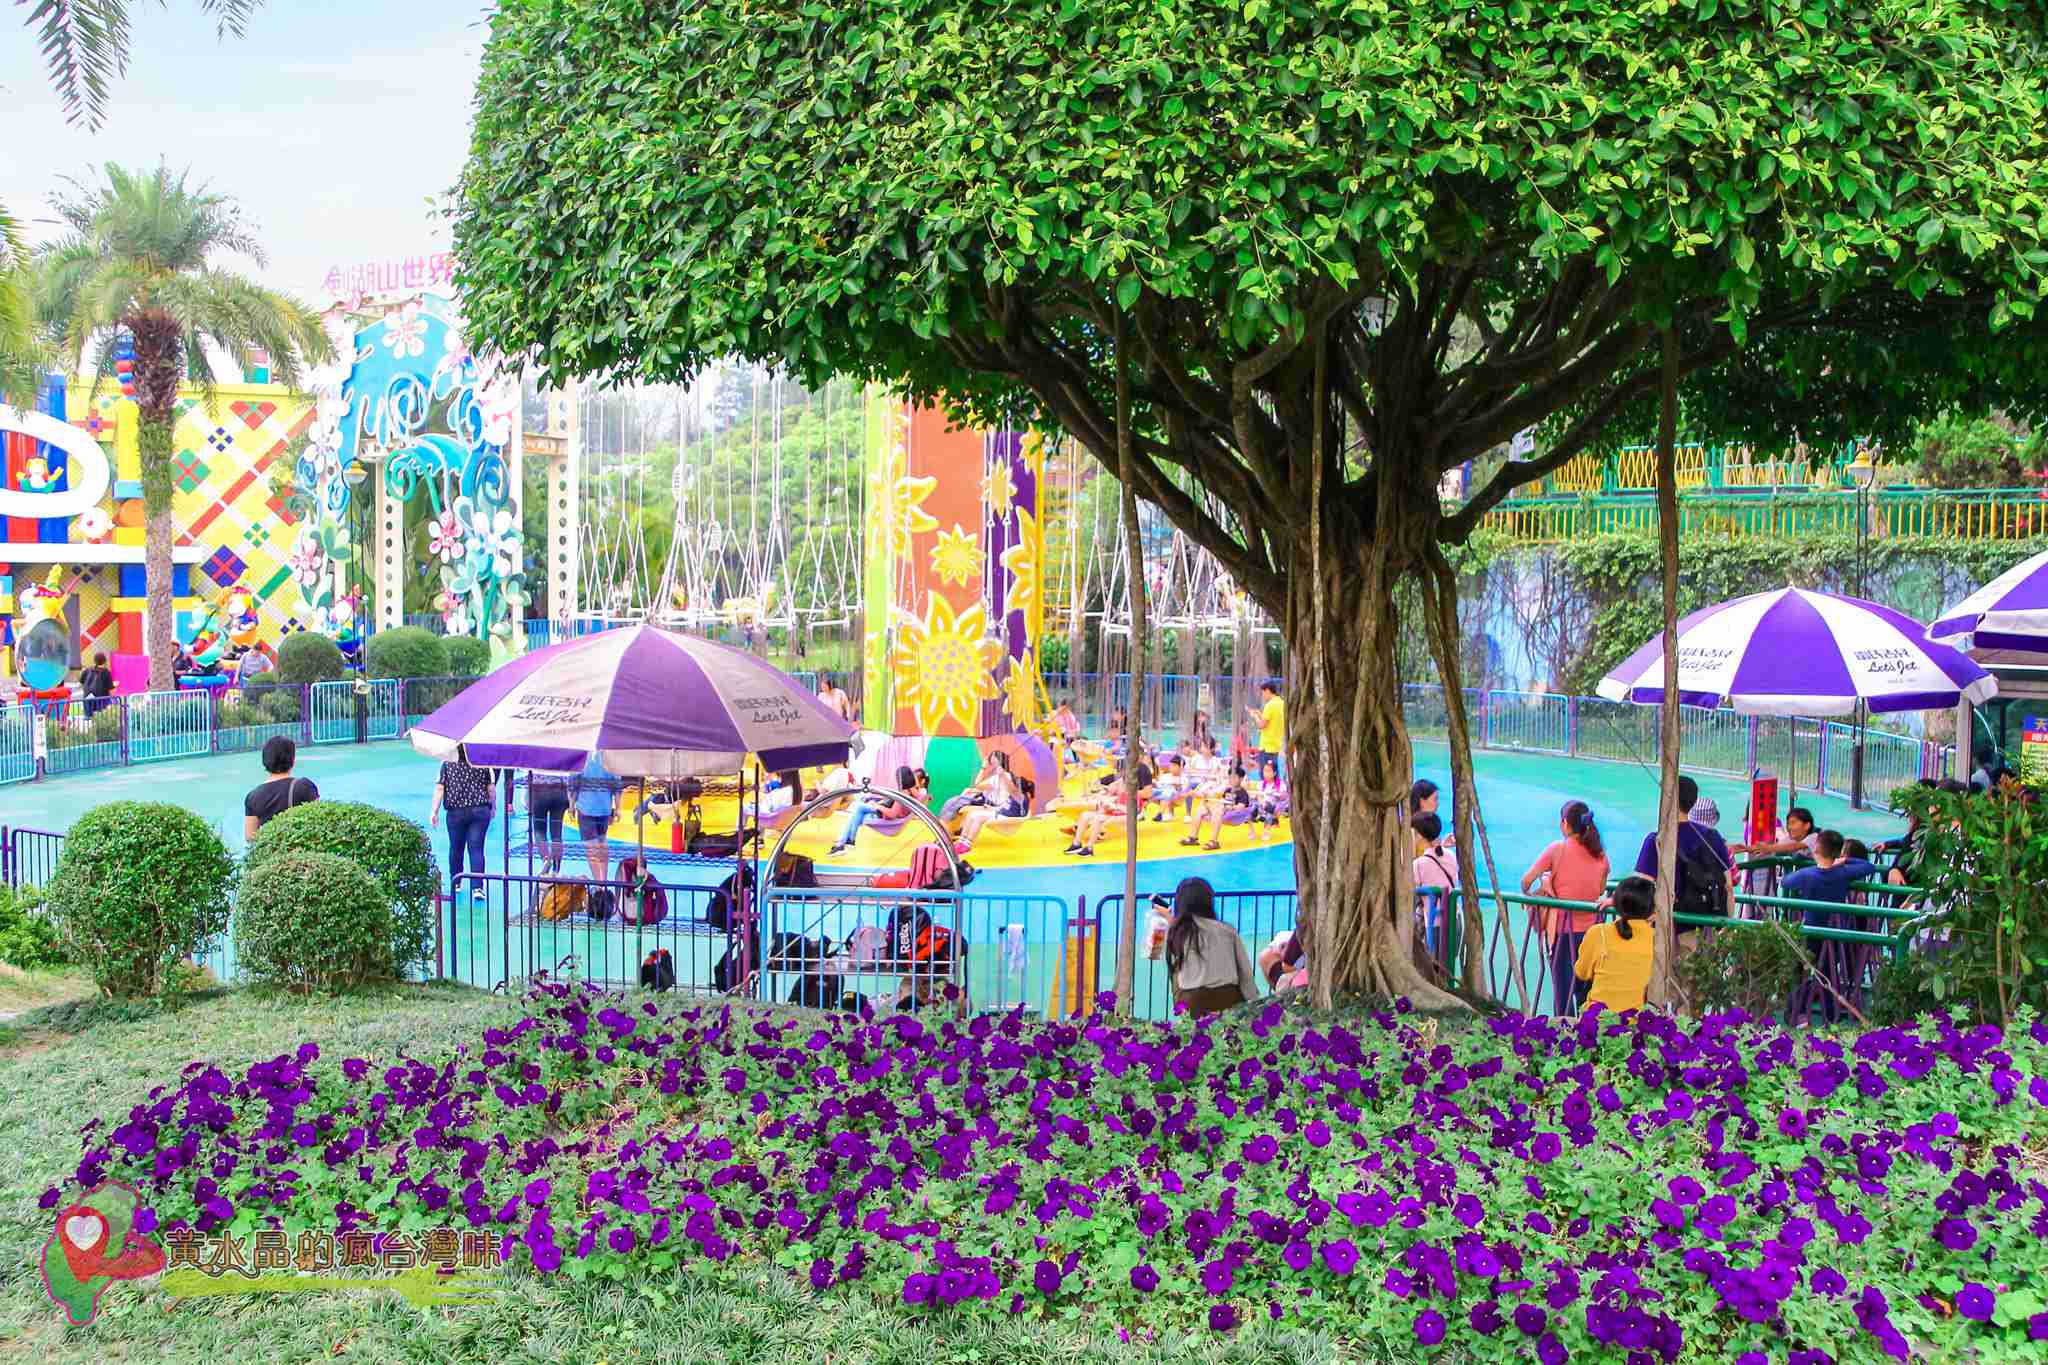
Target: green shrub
{"x": 280, "y": 705}
{"x": 141, "y": 886}
{"x": 305, "y": 657}
{"x": 392, "y": 849}
{"x": 1982, "y": 863}
{"x": 72, "y": 730}
{"x": 306, "y": 919}
{"x": 27, "y": 938}
{"x": 1749, "y": 967}
{"x": 405, "y": 652}
{"x": 468, "y": 657}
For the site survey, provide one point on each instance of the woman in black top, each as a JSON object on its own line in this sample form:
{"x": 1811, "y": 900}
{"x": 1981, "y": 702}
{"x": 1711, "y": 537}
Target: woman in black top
{"x": 465, "y": 791}
{"x": 280, "y": 791}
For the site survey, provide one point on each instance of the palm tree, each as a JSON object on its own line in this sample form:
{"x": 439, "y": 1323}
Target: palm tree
{"x": 139, "y": 264}
{"x": 19, "y": 352}
{"x": 85, "y": 43}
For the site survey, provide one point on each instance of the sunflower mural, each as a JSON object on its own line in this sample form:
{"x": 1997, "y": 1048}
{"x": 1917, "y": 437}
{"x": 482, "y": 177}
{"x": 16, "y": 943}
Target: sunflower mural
{"x": 950, "y": 548}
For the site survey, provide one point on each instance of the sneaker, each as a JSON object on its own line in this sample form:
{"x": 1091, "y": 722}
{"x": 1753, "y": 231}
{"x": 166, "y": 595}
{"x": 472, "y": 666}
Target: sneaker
{"x": 1071, "y": 848}
{"x": 1084, "y": 853}
{"x": 835, "y": 850}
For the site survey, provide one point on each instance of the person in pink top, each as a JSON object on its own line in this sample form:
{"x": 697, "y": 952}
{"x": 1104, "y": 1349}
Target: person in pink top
{"x": 1436, "y": 873}
{"x": 1572, "y": 869}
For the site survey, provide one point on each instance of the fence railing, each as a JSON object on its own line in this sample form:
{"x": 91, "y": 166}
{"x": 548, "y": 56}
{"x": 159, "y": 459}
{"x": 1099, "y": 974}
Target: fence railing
{"x": 54, "y": 738}
{"x": 1980, "y": 514}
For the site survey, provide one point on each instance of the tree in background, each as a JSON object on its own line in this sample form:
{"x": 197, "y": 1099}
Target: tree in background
{"x": 85, "y": 45}
{"x": 1356, "y": 248}
{"x": 141, "y": 260}
{"x": 21, "y": 354}
{"x": 1958, "y": 451}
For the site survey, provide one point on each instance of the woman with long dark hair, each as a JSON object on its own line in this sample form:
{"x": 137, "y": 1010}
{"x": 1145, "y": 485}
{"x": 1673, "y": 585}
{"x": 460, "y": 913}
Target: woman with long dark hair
{"x": 1205, "y": 959}
{"x": 1574, "y": 868}
{"x": 877, "y": 807}
{"x": 1615, "y": 959}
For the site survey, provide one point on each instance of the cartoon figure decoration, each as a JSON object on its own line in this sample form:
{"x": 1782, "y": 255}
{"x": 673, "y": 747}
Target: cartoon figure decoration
{"x": 238, "y": 610}
{"x": 412, "y": 398}
{"x": 205, "y": 641}
{"x": 36, "y": 476}
{"x": 42, "y": 644}
{"x": 340, "y": 621}
{"x": 93, "y": 525}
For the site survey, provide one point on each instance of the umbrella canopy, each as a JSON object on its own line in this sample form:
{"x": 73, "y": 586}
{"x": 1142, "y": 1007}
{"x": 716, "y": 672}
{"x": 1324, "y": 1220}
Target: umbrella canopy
{"x": 2009, "y": 612}
{"x": 650, "y": 702}
{"x": 1798, "y": 653}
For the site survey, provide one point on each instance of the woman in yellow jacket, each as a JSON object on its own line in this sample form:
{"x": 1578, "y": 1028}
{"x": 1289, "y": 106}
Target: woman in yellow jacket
{"x": 1616, "y": 957}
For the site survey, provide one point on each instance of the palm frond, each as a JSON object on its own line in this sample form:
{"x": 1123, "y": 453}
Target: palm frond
{"x": 85, "y": 46}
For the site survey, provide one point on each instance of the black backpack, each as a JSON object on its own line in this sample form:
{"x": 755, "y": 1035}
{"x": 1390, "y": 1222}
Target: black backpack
{"x": 1702, "y": 883}
{"x": 658, "y": 971}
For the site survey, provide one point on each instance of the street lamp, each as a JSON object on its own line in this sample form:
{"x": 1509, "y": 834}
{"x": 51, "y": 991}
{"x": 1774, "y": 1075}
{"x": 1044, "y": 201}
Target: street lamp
{"x": 1863, "y": 473}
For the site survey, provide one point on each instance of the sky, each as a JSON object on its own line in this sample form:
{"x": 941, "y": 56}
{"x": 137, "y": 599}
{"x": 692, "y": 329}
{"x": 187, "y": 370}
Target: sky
{"x": 333, "y": 123}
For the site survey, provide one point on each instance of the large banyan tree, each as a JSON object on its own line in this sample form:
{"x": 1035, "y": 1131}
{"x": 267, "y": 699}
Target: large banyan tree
{"x": 1332, "y": 251}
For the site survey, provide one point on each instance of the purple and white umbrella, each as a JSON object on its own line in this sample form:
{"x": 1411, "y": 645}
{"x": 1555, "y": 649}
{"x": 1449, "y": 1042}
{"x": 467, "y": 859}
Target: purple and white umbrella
{"x": 650, "y": 702}
{"x": 2009, "y": 612}
{"x": 1799, "y": 653}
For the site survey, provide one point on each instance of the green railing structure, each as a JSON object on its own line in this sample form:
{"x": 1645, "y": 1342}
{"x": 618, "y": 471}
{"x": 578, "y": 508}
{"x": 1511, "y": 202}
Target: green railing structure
{"x": 1977, "y": 514}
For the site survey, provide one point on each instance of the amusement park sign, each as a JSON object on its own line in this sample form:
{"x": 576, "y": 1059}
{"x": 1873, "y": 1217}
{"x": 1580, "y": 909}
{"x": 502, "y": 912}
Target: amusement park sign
{"x": 389, "y": 276}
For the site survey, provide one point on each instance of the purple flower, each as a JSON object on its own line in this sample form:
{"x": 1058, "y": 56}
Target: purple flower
{"x": 620, "y": 1240}
{"x": 1957, "y": 1234}
{"x": 537, "y": 1192}
{"x": 1529, "y": 1319}
{"x": 1261, "y": 1149}
{"x": 1429, "y": 1327}
{"x": 1222, "y": 1317}
{"x": 1046, "y": 1276}
{"x": 1217, "y": 1277}
{"x": 821, "y": 1274}
{"x": 918, "y": 1289}
{"x": 1975, "y": 1302}
{"x": 1792, "y": 1123}
{"x": 1828, "y": 1281}
{"x": 2037, "y": 1325}
{"x": 1546, "y": 1148}
{"x": 1685, "y": 1190}
{"x": 1298, "y": 1255}
{"x": 1318, "y": 1133}
{"x": 1484, "y": 1317}
{"x": 1468, "y": 1210}
{"x": 1340, "y": 1256}
{"x": 1144, "y": 1278}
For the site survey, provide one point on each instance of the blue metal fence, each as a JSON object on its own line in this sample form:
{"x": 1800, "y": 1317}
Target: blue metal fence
{"x": 19, "y": 736}
{"x": 169, "y": 725}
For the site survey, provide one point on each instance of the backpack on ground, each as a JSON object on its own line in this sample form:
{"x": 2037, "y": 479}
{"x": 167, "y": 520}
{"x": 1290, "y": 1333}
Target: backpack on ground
{"x": 658, "y": 971}
{"x": 562, "y": 900}
{"x": 648, "y": 901}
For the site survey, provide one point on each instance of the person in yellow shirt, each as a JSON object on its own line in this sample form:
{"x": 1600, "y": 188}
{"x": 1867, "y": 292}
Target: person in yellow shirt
{"x": 1616, "y": 956}
{"x": 1270, "y": 715}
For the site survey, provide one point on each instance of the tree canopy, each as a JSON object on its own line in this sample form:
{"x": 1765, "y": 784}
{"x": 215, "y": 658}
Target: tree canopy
{"x": 1488, "y": 210}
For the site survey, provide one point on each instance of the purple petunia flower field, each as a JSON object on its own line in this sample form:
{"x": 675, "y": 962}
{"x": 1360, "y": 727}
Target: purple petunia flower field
{"x": 1520, "y": 1188}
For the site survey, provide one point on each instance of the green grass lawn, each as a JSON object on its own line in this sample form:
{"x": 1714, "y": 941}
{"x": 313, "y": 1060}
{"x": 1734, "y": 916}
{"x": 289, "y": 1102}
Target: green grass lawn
{"x": 64, "y": 1064}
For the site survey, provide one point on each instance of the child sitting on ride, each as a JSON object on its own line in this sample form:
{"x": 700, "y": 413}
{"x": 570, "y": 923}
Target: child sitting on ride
{"x": 1114, "y": 803}
{"x": 1234, "y": 797}
{"x": 993, "y": 786}
{"x": 1269, "y": 803}
{"x": 1173, "y": 788}
{"x": 1067, "y": 726}
{"x": 875, "y": 806}
{"x": 979, "y": 818}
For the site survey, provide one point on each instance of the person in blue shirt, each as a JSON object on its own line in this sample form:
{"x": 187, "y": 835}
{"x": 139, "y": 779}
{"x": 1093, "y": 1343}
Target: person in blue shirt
{"x": 1696, "y": 831}
{"x": 595, "y": 793}
{"x": 1829, "y": 879}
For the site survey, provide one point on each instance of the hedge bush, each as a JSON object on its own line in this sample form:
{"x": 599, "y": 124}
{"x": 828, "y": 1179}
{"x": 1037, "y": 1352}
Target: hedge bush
{"x": 405, "y": 652}
{"x": 468, "y": 657}
{"x": 141, "y": 886}
{"x": 1745, "y": 967}
{"x": 308, "y": 658}
{"x": 306, "y": 919}
{"x": 28, "y": 940}
{"x": 390, "y": 848}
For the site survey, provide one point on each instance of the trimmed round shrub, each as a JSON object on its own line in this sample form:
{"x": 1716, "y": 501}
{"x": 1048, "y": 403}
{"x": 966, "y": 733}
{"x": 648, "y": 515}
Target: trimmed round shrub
{"x": 304, "y": 657}
{"x": 405, "y": 652}
{"x": 305, "y": 919}
{"x": 468, "y": 657}
{"x": 142, "y": 886}
{"x": 393, "y": 850}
